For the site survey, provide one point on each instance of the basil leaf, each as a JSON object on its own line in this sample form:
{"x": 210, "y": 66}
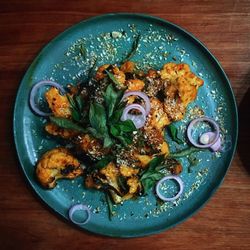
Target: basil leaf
{"x": 174, "y": 134}
{"x": 111, "y": 98}
{"x": 97, "y": 118}
{"x": 112, "y": 78}
{"x": 66, "y": 123}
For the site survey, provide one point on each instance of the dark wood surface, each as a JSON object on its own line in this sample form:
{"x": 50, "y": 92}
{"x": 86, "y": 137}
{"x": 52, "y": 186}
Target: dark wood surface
{"x": 26, "y": 26}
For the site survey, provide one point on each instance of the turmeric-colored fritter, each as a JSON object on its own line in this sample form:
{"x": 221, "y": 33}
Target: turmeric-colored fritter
{"x": 56, "y": 164}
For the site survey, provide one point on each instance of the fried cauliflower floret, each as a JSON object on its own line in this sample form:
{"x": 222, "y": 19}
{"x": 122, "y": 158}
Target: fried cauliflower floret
{"x": 128, "y": 171}
{"x": 118, "y": 74}
{"x": 91, "y": 146}
{"x": 56, "y": 164}
{"x": 128, "y": 67}
{"x": 53, "y": 129}
{"x": 135, "y": 85}
{"x": 182, "y": 83}
{"x": 100, "y": 74}
{"x": 142, "y": 160}
{"x": 134, "y": 184}
{"x": 174, "y": 109}
{"x": 58, "y": 104}
{"x": 157, "y": 117}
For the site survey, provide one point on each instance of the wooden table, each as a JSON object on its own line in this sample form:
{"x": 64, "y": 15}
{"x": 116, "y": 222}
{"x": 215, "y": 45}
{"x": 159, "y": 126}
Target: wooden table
{"x": 26, "y": 26}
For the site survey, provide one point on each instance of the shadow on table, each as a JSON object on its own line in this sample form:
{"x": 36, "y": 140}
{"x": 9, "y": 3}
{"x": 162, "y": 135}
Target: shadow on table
{"x": 244, "y": 127}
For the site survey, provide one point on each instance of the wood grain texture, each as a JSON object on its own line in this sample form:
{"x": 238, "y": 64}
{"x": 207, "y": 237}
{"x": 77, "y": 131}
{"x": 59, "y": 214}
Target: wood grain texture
{"x": 26, "y": 26}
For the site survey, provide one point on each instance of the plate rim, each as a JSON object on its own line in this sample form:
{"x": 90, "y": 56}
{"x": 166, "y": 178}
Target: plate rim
{"x": 129, "y": 15}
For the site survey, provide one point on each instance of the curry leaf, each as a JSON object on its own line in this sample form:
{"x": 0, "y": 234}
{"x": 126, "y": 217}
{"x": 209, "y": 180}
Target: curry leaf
{"x": 127, "y": 126}
{"x": 67, "y": 124}
{"x": 174, "y": 134}
{"x": 111, "y": 98}
{"x": 112, "y": 78}
{"x": 133, "y": 49}
{"x": 97, "y": 118}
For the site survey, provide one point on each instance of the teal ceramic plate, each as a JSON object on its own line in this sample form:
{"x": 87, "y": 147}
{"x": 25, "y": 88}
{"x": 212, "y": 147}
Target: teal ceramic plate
{"x": 108, "y": 39}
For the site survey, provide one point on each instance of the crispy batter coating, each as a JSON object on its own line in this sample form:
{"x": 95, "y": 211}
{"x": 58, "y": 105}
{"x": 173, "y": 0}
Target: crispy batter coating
{"x": 55, "y": 164}
{"x": 118, "y": 74}
{"x": 128, "y": 171}
{"x": 58, "y": 104}
{"x": 128, "y": 67}
{"x": 53, "y": 129}
{"x": 91, "y": 146}
{"x": 182, "y": 83}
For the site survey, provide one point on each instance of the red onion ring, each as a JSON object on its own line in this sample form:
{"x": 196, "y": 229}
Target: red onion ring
{"x": 34, "y": 91}
{"x": 77, "y": 207}
{"x": 217, "y": 145}
{"x": 138, "y": 120}
{"x": 142, "y": 95}
{"x": 172, "y": 177}
{"x": 205, "y": 119}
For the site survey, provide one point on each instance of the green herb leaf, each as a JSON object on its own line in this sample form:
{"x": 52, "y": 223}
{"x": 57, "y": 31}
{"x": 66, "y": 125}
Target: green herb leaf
{"x": 127, "y": 126}
{"x": 82, "y": 51}
{"x": 133, "y": 49}
{"x": 67, "y": 124}
{"x": 72, "y": 102}
{"x": 111, "y": 98}
{"x": 97, "y": 118}
{"x": 79, "y": 102}
{"x": 114, "y": 130}
{"x": 112, "y": 78}
{"x": 110, "y": 206}
{"x": 186, "y": 152}
{"x": 150, "y": 176}
{"x": 149, "y": 182}
{"x": 174, "y": 134}
{"x": 107, "y": 141}
{"x": 117, "y": 114}
{"x": 103, "y": 162}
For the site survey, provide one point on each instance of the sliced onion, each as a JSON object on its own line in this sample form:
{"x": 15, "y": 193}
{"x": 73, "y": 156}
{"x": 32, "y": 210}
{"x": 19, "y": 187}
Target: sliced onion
{"x": 172, "y": 177}
{"x": 211, "y": 135}
{"x": 138, "y": 120}
{"x": 203, "y": 119}
{"x": 142, "y": 95}
{"x": 34, "y": 91}
{"x": 78, "y": 207}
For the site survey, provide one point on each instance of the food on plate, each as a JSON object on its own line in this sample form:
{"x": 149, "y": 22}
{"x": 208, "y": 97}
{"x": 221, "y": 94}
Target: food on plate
{"x": 55, "y": 164}
{"x": 114, "y": 125}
